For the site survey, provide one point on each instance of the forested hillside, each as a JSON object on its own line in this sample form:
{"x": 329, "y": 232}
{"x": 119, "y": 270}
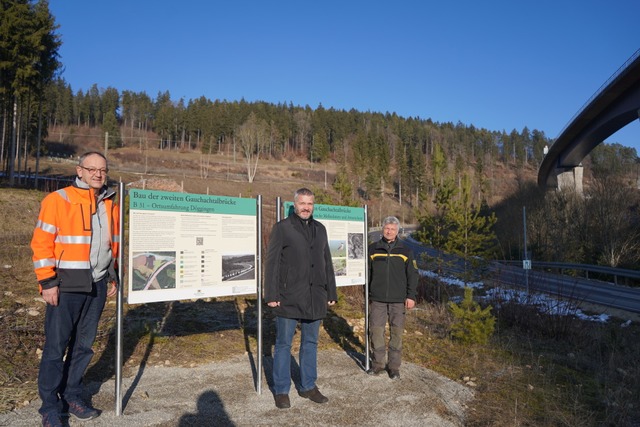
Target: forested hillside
{"x": 435, "y": 174}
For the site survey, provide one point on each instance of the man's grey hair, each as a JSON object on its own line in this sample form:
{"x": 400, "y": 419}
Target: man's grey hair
{"x": 390, "y": 220}
{"x": 90, "y": 153}
{"x": 302, "y": 192}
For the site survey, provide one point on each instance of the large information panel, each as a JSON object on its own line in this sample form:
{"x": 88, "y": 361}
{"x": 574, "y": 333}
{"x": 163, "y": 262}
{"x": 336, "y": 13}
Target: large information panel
{"x": 346, "y": 232}
{"x": 186, "y": 246}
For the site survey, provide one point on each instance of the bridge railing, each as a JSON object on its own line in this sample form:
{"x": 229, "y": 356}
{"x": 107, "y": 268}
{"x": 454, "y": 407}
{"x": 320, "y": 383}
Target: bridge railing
{"x": 601, "y": 89}
{"x": 587, "y": 268}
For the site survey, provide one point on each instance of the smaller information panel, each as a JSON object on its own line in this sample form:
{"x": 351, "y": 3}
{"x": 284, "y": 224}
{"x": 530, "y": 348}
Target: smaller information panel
{"x": 346, "y": 233}
{"x": 186, "y": 246}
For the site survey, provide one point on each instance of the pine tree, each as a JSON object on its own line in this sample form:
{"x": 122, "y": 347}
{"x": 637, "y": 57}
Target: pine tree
{"x": 458, "y": 227}
{"x": 472, "y": 324}
{"x": 471, "y": 235}
{"x": 112, "y": 129}
{"x": 28, "y": 52}
{"x": 435, "y": 227}
{"x": 344, "y": 188}
{"x": 319, "y": 148}
{"x": 438, "y": 166}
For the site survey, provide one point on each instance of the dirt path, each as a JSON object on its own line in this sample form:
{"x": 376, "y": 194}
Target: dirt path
{"x": 223, "y": 394}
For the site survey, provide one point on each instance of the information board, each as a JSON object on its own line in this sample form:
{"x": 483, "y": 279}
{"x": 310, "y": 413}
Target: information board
{"x": 187, "y": 246}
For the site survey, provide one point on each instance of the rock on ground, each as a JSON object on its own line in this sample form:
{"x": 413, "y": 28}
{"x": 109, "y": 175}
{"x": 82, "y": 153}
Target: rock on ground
{"x": 224, "y": 394}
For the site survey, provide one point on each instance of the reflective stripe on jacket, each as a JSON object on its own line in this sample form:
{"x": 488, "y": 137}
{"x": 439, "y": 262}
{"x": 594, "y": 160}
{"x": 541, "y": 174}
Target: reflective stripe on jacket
{"x": 61, "y": 242}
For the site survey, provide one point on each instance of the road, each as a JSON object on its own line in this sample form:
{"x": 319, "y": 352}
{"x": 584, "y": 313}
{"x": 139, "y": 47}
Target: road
{"x": 573, "y": 288}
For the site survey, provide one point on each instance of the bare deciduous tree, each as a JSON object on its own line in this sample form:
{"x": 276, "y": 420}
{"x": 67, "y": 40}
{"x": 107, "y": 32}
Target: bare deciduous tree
{"x": 253, "y": 136}
{"x": 611, "y": 207}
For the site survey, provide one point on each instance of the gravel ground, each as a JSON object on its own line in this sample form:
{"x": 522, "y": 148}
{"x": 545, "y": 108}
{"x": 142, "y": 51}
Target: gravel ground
{"x": 224, "y": 394}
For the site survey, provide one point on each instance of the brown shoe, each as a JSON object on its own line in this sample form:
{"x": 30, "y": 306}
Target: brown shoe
{"x": 375, "y": 371}
{"x": 314, "y": 395}
{"x": 282, "y": 401}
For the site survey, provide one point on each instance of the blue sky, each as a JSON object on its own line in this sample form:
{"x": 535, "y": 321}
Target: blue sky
{"x": 500, "y": 65}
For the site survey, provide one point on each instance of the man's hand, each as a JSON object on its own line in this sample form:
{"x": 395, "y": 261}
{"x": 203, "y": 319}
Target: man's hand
{"x": 112, "y": 289}
{"x": 50, "y": 296}
{"x": 409, "y": 303}
{"x": 274, "y": 304}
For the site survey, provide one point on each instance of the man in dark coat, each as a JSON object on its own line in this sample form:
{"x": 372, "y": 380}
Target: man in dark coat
{"x": 299, "y": 284}
{"x": 393, "y": 279}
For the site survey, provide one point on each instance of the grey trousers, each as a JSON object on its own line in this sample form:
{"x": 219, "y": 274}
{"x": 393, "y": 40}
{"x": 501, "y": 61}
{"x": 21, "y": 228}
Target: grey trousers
{"x": 379, "y": 314}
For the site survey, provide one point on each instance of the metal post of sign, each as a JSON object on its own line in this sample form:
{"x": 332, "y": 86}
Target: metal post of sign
{"x": 526, "y": 258}
{"x": 119, "y": 302}
{"x": 278, "y": 209}
{"x": 260, "y": 288}
{"x": 259, "y": 292}
{"x": 366, "y": 290}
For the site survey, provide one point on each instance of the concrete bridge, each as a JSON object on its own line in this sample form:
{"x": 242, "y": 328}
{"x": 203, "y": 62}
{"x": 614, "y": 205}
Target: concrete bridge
{"x": 612, "y": 107}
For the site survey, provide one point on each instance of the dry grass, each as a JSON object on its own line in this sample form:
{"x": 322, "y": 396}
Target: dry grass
{"x": 537, "y": 371}
{"x": 20, "y": 315}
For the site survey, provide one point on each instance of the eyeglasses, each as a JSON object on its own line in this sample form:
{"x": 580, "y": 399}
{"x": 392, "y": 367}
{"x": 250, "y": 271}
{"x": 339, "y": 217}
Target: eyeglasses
{"x": 93, "y": 171}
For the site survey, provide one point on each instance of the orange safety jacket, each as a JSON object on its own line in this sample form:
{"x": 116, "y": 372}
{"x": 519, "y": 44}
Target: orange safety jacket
{"x": 61, "y": 241}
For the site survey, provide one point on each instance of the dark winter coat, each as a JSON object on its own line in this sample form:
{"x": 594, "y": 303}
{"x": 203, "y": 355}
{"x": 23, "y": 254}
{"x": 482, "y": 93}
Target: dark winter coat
{"x": 393, "y": 272}
{"x": 299, "y": 272}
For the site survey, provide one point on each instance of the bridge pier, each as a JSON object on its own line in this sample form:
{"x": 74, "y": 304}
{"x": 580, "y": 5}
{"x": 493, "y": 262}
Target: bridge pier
{"x": 570, "y": 179}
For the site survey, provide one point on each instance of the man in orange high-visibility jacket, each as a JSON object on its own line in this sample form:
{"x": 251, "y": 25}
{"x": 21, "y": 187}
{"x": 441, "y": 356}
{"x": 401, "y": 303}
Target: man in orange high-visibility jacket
{"x": 75, "y": 246}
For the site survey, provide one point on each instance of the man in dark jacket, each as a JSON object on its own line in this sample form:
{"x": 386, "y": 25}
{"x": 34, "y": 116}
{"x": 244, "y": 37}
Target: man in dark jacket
{"x": 299, "y": 283}
{"x": 393, "y": 278}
